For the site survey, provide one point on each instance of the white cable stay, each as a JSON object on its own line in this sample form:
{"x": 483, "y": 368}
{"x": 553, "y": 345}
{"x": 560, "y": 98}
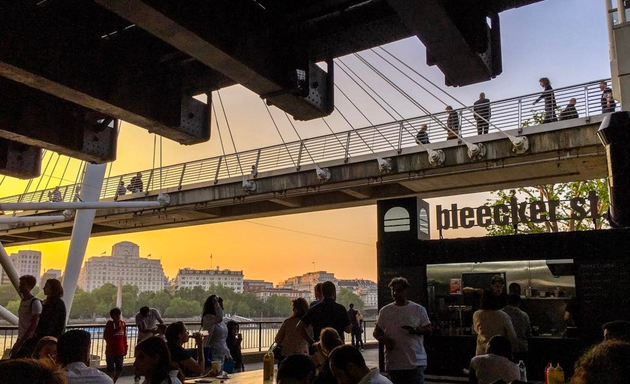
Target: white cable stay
{"x": 520, "y": 143}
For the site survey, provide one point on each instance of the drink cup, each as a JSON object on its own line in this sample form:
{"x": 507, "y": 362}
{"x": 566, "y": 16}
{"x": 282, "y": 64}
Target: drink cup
{"x": 216, "y": 365}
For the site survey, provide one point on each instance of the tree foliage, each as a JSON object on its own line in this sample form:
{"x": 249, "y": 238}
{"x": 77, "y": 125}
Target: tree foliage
{"x": 559, "y": 191}
{"x": 346, "y": 297}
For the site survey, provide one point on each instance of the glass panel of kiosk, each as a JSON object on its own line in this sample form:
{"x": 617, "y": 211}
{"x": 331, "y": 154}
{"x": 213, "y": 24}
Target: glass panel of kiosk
{"x": 454, "y": 291}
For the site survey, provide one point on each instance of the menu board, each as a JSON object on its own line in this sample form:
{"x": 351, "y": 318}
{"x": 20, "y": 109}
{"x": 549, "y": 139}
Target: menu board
{"x": 603, "y": 293}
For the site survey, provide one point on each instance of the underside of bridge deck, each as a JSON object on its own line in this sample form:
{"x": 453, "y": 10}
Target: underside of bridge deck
{"x": 142, "y": 61}
{"x": 557, "y": 155}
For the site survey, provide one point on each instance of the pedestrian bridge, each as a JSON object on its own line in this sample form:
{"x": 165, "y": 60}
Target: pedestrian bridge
{"x": 351, "y": 168}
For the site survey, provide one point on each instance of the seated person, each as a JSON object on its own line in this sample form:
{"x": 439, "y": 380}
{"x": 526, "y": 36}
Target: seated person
{"x": 617, "y": 331}
{"x": 73, "y": 352}
{"x": 176, "y": 336}
{"x": 296, "y": 369}
{"x": 153, "y": 361}
{"x": 607, "y": 362}
{"x": 348, "y": 366}
{"x": 46, "y": 349}
{"x": 495, "y": 365}
{"x": 30, "y": 371}
{"x": 329, "y": 340}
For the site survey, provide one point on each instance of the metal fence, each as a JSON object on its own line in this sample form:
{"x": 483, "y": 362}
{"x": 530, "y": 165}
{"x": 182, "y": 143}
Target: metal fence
{"x": 257, "y": 336}
{"x": 508, "y": 114}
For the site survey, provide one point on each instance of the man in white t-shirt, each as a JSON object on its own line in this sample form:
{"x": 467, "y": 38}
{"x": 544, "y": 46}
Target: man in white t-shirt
{"x": 28, "y": 314}
{"x": 401, "y": 326}
{"x": 146, "y": 321}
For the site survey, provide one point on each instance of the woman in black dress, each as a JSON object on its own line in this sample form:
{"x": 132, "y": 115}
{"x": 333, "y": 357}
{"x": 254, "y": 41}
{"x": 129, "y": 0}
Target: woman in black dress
{"x": 550, "y": 100}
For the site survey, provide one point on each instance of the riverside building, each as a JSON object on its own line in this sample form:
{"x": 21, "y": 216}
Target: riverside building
{"x": 205, "y": 278}
{"x": 124, "y": 266}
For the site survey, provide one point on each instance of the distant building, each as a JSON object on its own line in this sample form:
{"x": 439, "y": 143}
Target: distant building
{"x": 307, "y": 281}
{"x": 124, "y": 266}
{"x": 189, "y": 278}
{"x": 50, "y": 274}
{"x": 26, "y": 263}
{"x": 265, "y": 293}
{"x": 255, "y": 285}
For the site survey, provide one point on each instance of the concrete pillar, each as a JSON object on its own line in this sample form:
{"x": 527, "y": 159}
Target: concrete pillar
{"x": 83, "y": 221}
{"x": 621, "y": 70}
{"x": 9, "y": 268}
{"x": 614, "y": 133}
{"x": 8, "y": 316}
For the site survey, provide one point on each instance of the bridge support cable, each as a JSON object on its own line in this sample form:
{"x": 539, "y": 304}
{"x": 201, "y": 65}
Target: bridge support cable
{"x": 435, "y": 157}
{"x": 323, "y": 174}
{"x": 520, "y": 143}
{"x": 363, "y": 114}
{"x": 81, "y": 230}
{"x": 335, "y": 134}
{"x": 475, "y": 151}
{"x": 279, "y": 134}
{"x": 216, "y": 118}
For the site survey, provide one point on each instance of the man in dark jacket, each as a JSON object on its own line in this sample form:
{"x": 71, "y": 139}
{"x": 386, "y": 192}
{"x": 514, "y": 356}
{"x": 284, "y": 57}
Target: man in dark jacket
{"x": 328, "y": 313}
{"x": 452, "y": 124}
{"x": 482, "y": 114}
{"x": 607, "y": 101}
{"x": 569, "y": 112}
{"x": 423, "y": 136}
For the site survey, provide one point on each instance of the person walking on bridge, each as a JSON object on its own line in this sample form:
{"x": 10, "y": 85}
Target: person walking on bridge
{"x": 136, "y": 185}
{"x": 607, "y": 101}
{"x": 482, "y": 114}
{"x": 569, "y": 112}
{"x": 452, "y": 124}
{"x": 550, "y": 100}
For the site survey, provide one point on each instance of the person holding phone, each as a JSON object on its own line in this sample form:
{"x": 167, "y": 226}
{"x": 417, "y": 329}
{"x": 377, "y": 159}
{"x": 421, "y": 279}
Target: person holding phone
{"x": 401, "y": 326}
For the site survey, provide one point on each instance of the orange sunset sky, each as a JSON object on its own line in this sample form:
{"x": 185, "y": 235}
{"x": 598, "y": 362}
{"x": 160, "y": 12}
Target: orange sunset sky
{"x": 535, "y": 44}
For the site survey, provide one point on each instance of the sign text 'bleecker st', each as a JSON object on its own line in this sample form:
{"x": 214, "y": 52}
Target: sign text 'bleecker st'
{"x": 515, "y": 212}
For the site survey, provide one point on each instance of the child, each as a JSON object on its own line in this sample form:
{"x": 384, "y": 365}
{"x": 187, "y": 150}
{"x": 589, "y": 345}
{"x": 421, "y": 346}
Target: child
{"x": 161, "y": 329}
{"x": 234, "y": 341}
{"x": 116, "y": 338}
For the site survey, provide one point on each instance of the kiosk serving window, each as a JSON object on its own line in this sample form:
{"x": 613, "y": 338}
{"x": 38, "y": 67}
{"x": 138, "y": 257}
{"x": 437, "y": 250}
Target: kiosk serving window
{"x": 454, "y": 291}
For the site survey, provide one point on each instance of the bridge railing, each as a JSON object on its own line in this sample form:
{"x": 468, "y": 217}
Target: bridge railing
{"x": 257, "y": 336}
{"x": 508, "y": 114}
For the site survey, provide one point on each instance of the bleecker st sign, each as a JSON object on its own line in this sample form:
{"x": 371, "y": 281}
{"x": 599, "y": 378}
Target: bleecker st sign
{"x": 515, "y": 212}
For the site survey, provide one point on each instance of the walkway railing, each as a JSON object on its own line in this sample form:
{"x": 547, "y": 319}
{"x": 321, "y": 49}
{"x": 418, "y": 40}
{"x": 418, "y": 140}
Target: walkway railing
{"x": 509, "y": 114}
{"x": 257, "y": 336}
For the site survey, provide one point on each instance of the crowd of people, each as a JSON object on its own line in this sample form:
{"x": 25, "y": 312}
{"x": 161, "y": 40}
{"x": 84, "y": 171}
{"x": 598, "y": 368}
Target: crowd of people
{"x": 482, "y": 111}
{"x": 310, "y": 344}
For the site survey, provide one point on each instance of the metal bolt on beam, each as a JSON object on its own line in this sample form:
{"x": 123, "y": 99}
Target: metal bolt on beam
{"x": 520, "y": 145}
{"x": 323, "y": 174}
{"x": 385, "y": 165}
{"x": 436, "y": 158}
{"x": 249, "y": 186}
{"x": 476, "y": 151}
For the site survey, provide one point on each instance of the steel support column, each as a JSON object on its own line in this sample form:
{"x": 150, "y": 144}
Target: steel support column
{"x": 9, "y": 268}
{"x": 8, "y": 316}
{"x": 92, "y": 184}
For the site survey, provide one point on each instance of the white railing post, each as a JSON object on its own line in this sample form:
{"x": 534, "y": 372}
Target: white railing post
{"x": 400, "y": 135}
{"x": 586, "y": 100}
{"x": 347, "y": 154}
{"x": 181, "y": 177}
{"x": 520, "y": 116}
{"x": 299, "y": 159}
{"x": 216, "y": 175}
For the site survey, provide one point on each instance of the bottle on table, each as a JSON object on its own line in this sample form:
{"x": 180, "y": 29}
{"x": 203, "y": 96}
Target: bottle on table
{"x": 268, "y": 366}
{"x": 522, "y": 371}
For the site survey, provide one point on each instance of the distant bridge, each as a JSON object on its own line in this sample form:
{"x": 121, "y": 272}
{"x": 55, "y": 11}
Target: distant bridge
{"x": 211, "y": 190}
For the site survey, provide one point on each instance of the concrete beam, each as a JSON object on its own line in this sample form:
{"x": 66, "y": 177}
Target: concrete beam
{"x": 19, "y": 160}
{"x": 359, "y": 193}
{"x": 287, "y": 202}
{"x": 237, "y": 47}
{"x": 38, "y": 119}
{"x": 98, "y": 73}
{"x": 457, "y": 47}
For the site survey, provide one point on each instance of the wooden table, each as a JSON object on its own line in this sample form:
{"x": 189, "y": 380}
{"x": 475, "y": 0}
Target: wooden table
{"x": 250, "y": 377}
